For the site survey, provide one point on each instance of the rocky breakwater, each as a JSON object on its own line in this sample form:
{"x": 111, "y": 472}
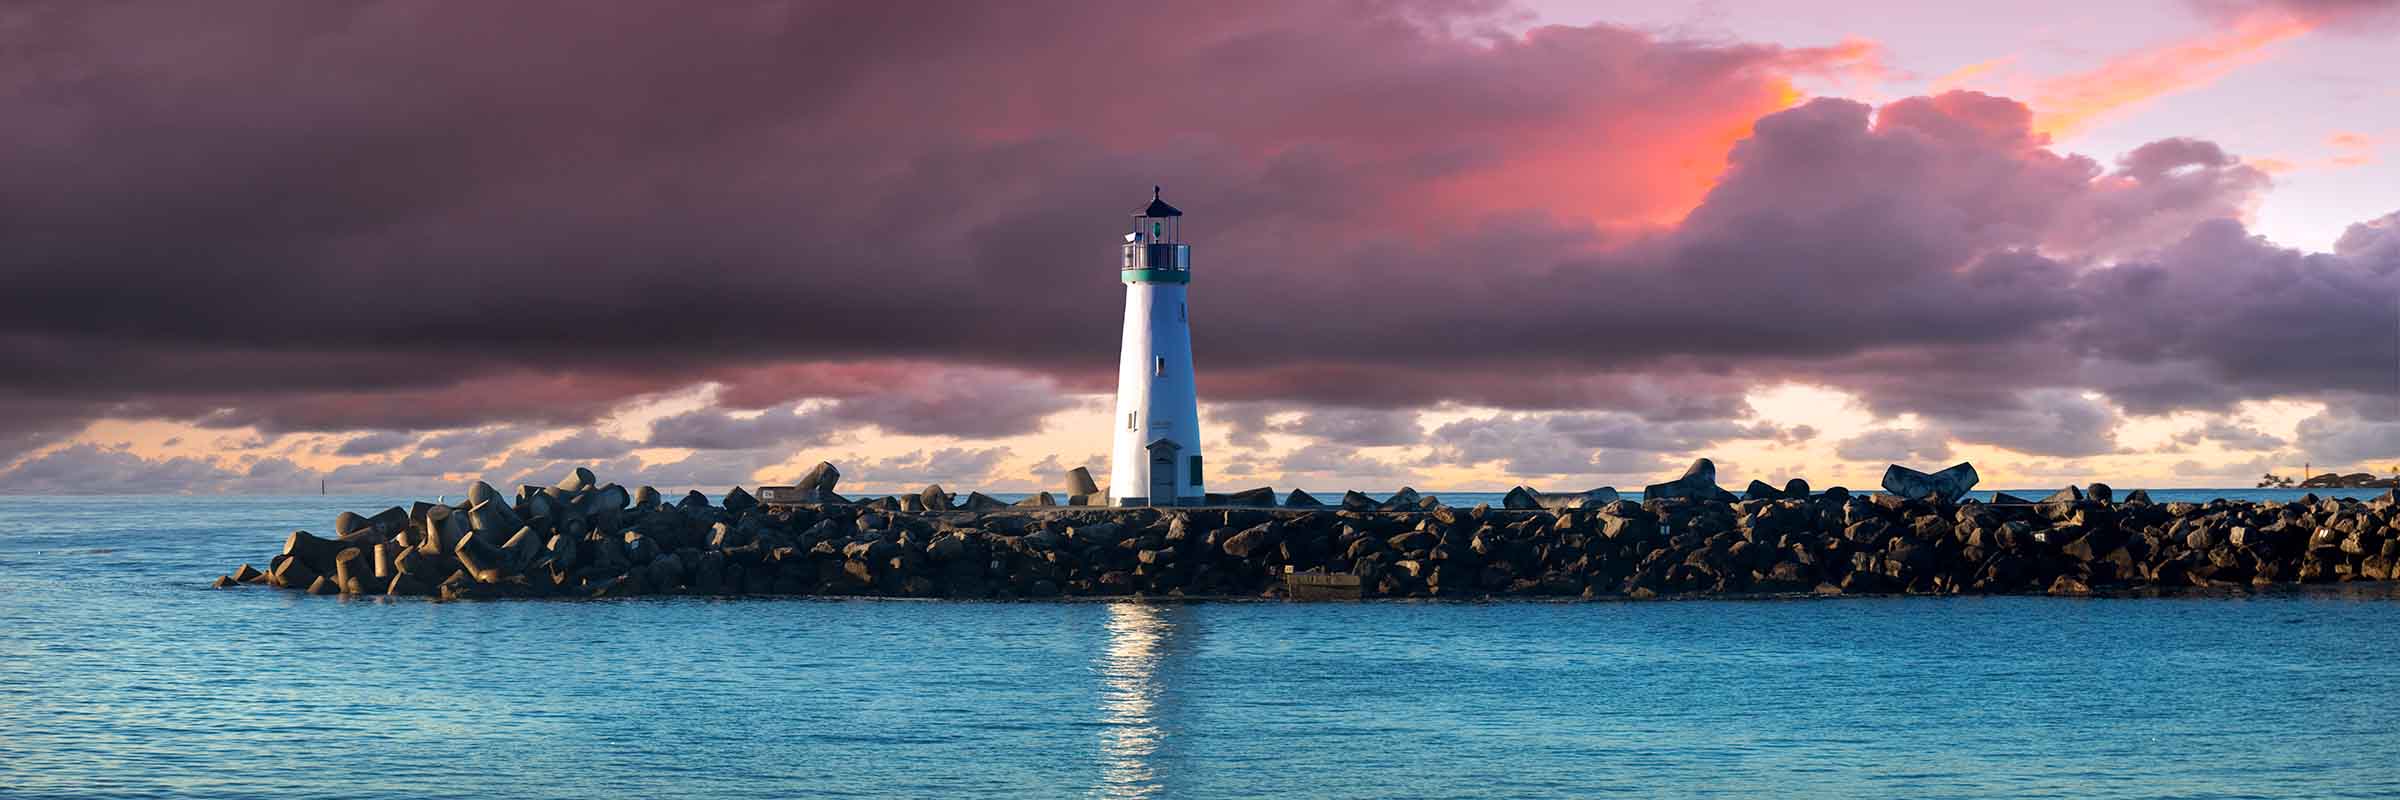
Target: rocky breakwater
{"x": 1689, "y": 537}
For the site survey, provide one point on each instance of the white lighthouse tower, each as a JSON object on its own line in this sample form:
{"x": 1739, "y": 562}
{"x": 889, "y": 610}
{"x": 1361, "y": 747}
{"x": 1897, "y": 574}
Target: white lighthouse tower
{"x": 1158, "y": 404}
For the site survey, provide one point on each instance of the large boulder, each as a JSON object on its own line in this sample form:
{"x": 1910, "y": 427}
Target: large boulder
{"x": 494, "y": 517}
{"x": 1945, "y": 486}
{"x": 739, "y": 500}
{"x": 1588, "y": 498}
{"x": 1251, "y": 542}
{"x": 817, "y": 485}
{"x": 578, "y": 480}
{"x": 978, "y": 501}
{"x": 1079, "y": 482}
{"x": 1699, "y": 482}
{"x": 933, "y": 498}
{"x": 1039, "y": 500}
{"x": 1522, "y": 499}
{"x": 315, "y": 551}
{"x": 1406, "y": 499}
{"x": 1300, "y": 499}
{"x": 1262, "y": 497}
{"x": 1355, "y": 500}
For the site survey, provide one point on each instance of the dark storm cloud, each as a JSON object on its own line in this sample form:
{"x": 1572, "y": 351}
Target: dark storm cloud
{"x": 320, "y": 217}
{"x": 714, "y": 429}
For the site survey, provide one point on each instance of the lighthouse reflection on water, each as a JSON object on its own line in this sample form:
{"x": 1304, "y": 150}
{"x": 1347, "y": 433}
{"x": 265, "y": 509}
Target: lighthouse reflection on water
{"x": 1139, "y": 709}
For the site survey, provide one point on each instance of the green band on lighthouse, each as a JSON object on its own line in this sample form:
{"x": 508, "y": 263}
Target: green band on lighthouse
{"x": 1156, "y": 275}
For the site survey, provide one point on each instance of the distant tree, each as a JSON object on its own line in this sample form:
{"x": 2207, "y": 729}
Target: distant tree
{"x": 2274, "y": 481}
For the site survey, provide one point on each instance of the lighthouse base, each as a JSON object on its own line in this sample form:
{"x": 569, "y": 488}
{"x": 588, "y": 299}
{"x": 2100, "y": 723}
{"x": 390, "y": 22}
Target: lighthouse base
{"x": 1141, "y": 502}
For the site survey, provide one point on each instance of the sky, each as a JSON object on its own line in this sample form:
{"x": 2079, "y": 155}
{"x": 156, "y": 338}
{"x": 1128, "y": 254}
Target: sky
{"x": 1454, "y": 244}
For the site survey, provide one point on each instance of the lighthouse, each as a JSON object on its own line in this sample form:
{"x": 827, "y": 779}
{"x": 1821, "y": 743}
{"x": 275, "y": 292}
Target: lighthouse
{"x": 1157, "y": 460}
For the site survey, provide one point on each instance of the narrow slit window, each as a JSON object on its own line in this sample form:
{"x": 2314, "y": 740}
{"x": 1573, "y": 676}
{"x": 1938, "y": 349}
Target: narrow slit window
{"x": 1195, "y": 470}
{"x": 1183, "y": 313}
{"x": 1129, "y": 420}
{"x": 1158, "y": 367}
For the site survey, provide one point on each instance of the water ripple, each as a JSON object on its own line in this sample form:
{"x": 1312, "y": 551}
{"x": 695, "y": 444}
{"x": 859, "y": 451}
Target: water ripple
{"x": 121, "y": 677}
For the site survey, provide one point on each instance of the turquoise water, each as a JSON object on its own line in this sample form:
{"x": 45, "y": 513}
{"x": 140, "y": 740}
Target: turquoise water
{"x": 122, "y": 676}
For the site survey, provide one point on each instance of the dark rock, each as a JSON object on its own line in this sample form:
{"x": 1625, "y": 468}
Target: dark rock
{"x": 932, "y": 498}
{"x": 314, "y": 551}
{"x": 1588, "y": 498}
{"x": 978, "y": 501}
{"x": 1946, "y": 486}
{"x": 1262, "y": 497}
{"x": 646, "y": 498}
{"x": 2099, "y": 492}
{"x": 738, "y": 501}
{"x": 1251, "y": 542}
{"x": 405, "y": 585}
{"x": 495, "y": 517}
{"x": 1699, "y": 482}
{"x": 1038, "y": 500}
{"x": 2138, "y": 497}
{"x": 388, "y": 521}
{"x": 1355, "y": 500}
{"x": 1795, "y": 489}
{"x": 1522, "y": 499}
{"x": 1300, "y": 499}
{"x": 1079, "y": 482}
{"x": 1759, "y": 490}
{"x": 817, "y": 486}
{"x": 225, "y": 582}
{"x": 1404, "y": 500}
{"x": 577, "y": 480}
{"x": 249, "y": 574}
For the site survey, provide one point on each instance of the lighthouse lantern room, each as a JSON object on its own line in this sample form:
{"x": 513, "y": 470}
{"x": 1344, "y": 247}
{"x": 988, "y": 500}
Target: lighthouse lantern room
{"x": 1157, "y": 458}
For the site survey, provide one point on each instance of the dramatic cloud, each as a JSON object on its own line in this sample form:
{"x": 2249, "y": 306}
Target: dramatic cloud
{"x": 1357, "y": 427}
{"x": 713, "y": 429}
{"x": 961, "y": 468}
{"x": 374, "y": 443}
{"x": 1898, "y": 445}
{"x": 1528, "y": 445}
{"x": 91, "y": 469}
{"x": 334, "y": 218}
{"x": 586, "y": 444}
{"x": 2231, "y": 436}
{"x": 2045, "y": 422}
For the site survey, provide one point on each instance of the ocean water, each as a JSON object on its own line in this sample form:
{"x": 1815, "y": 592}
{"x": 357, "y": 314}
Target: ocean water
{"x": 121, "y": 675}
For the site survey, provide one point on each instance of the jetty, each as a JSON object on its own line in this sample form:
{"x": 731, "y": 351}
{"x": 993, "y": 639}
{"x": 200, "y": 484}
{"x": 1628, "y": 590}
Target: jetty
{"x": 1686, "y": 537}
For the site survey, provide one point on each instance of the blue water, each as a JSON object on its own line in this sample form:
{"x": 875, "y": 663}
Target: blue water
{"x": 121, "y": 676}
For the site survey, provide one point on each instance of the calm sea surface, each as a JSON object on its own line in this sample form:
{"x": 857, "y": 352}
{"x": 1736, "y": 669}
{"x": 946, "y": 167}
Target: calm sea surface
{"x": 121, "y": 675}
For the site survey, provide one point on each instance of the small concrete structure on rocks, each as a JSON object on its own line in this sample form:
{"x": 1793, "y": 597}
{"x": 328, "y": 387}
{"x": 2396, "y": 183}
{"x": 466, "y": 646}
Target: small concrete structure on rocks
{"x": 1688, "y": 537}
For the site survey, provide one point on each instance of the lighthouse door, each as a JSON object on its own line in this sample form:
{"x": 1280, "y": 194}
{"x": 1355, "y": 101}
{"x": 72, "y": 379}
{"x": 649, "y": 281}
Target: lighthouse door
{"x": 1162, "y": 479}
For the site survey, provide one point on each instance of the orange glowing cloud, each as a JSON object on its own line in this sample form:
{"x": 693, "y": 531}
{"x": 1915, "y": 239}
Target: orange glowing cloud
{"x": 2072, "y": 103}
{"x": 2352, "y": 149}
